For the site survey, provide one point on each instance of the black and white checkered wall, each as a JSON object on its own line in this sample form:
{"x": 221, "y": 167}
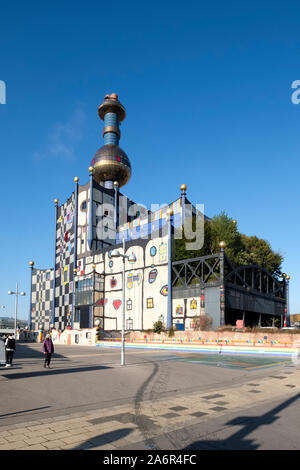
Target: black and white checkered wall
{"x": 41, "y": 298}
{"x": 64, "y": 264}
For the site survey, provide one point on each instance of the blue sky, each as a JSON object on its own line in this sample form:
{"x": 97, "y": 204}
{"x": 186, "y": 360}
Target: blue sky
{"x": 207, "y": 89}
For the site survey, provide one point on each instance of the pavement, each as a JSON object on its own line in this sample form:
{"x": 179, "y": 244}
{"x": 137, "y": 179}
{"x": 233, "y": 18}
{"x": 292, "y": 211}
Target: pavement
{"x": 157, "y": 401}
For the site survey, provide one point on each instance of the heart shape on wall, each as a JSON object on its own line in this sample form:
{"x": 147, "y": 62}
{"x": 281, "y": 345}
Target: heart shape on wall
{"x": 116, "y": 304}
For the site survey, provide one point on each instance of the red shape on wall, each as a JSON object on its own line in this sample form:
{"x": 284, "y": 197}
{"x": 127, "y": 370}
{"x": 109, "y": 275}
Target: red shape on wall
{"x": 101, "y": 302}
{"x": 117, "y": 303}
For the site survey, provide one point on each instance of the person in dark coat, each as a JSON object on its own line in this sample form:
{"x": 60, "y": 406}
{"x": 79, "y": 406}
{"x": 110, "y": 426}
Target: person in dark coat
{"x": 10, "y": 346}
{"x": 48, "y": 350}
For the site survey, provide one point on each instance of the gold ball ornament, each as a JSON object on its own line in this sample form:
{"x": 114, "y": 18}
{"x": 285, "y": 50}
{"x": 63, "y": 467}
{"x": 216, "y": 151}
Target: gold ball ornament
{"x": 170, "y": 212}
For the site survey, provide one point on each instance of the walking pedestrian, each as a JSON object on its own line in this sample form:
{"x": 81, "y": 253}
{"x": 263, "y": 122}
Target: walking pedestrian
{"x": 10, "y": 346}
{"x": 48, "y": 350}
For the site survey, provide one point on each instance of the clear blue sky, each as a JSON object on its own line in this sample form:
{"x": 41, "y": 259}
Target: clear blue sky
{"x": 207, "y": 89}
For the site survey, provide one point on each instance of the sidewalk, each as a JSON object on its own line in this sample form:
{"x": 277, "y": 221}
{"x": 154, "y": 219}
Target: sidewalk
{"x": 122, "y": 426}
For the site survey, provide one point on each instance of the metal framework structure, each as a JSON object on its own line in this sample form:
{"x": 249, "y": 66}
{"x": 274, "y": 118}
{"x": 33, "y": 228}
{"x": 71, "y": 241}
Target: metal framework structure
{"x": 202, "y": 271}
{"x": 254, "y": 278}
{"x": 245, "y": 288}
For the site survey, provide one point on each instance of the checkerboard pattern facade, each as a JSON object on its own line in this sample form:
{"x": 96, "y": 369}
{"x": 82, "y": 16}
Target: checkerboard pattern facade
{"x": 41, "y": 297}
{"x": 64, "y": 264}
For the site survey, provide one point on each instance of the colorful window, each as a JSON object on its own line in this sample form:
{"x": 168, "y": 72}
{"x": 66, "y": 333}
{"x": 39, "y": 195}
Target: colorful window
{"x": 150, "y": 302}
{"x": 153, "y": 251}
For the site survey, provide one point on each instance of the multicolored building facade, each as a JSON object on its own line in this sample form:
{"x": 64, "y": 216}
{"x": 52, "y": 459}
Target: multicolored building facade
{"x": 85, "y": 285}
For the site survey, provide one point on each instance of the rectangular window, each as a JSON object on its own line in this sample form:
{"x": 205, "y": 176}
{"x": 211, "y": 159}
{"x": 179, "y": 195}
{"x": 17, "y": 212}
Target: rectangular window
{"x": 150, "y": 302}
{"x": 77, "y": 316}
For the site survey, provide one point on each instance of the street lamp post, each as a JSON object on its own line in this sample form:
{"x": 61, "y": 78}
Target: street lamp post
{"x": 131, "y": 259}
{"x": 286, "y": 279}
{"x": 17, "y": 293}
{"x": 222, "y": 245}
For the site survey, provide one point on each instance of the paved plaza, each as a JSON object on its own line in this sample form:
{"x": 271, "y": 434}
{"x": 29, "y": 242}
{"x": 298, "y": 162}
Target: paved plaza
{"x": 159, "y": 400}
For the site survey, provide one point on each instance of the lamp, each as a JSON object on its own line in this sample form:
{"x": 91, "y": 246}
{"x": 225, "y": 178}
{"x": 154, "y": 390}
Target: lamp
{"x": 17, "y": 293}
{"x": 132, "y": 259}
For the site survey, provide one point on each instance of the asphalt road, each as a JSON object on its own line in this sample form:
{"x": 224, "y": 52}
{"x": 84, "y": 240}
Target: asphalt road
{"x": 91, "y": 378}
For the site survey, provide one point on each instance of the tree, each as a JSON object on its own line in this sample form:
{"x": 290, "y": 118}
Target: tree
{"x": 258, "y": 251}
{"x": 202, "y": 322}
{"x": 240, "y": 249}
{"x": 223, "y": 228}
{"x": 179, "y": 245}
{"x": 158, "y": 327}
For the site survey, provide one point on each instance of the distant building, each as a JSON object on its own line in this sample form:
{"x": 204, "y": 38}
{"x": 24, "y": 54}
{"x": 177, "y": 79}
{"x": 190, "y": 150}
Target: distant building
{"x": 295, "y": 318}
{"x": 7, "y": 322}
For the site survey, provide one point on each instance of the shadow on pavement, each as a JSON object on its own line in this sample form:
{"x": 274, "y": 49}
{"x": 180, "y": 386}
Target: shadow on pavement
{"x": 238, "y": 441}
{"x": 26, "y": 375}
{"x": 24, "y": 351}
{"x": 103, "y": 439}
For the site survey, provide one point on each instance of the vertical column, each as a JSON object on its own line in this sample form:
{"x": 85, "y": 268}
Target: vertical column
{"x": 76, "y": 180}
{"x": 222, "y": 286}
{"x": 16, "y": 310}
{"x": 123, "y": 306}
{"x": 288, "y": 318}
{"x": 54, "y": 269}
{"x": 202, "y": 301}
{"x": 90, "y": 226}
{"x": 116, "y": 208}
{"x": 93, "y": 298}
{"x": 285, "y": 284}
{"x": 169, "y": 312}
{"x": 31, "y": 264}
{"x": 183, "y": 195}
{"x": 111, "y": 132}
